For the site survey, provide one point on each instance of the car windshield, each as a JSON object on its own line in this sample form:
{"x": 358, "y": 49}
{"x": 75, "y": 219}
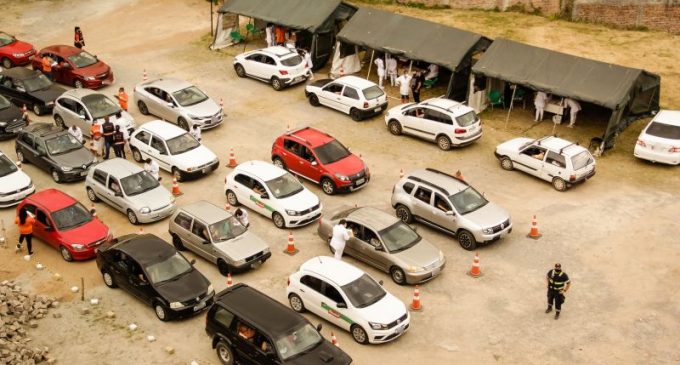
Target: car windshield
{"x": 182, "y": 143}
{"x": 373, "y": 92}
{"x": 284, "y": 186}
{"x": 297, "y": 342}
{"x": 39, "y": 82}
{"x": 100, "y": 106}
{"x": 467, "y": 119}
{"x": 226, "y": 229}
{"x": 331, "y": 152}
{"x": 582, "y": 160}
{"x": 292, "y": 61}
{"x": 82, "y": 59}
{"x": 468, "y": 200}
{"x": 663, "y": 130}
{"x": 138, "y": 183}
{"x": 171, "y": 268}
{"x": 364, "y": 291}
{"x": 399, "y": 237}
{"x": 6, "y": 39}
{"x": 71, "y": 217}
{"x": 62, "y": 143}
{"x": 4, "y": 103}
{"x": 6, "y": 166}
{"x": 189, "y": 96}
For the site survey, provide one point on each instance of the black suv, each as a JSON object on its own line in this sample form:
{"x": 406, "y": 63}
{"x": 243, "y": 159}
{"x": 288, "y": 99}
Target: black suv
{"x": 54, "y": 150}
{"x": 11, "y": 120}
{"x": 248, "y": 327}
{"x": 31, "y": 88}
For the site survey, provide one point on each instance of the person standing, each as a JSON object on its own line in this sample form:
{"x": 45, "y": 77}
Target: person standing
{"x": 78, "y": 40}
{"x": 107, "y": 131}
{"x": 380, "y": 69}
{"x": 279, "y": 35}
{"x": 433, "y": 72}
{"x": 269, "y": 34}
{"x": 242, "y": 217}
{"x": 308, "y": 61}
{"x": 392, "y": 70}
{"x": 152, "y": 168}
{"x": 76, "y": 133}
{"x": 574, "y": 108}
{"x": 416, "y": 85}
{"x": 339, "y": 238}
{"x": 404, "y": 82}
{"x": 539, "y": 103}
{"x": 558, "y": 283}
{"x": 25, "y": 222}
{"x": 122, "y": 98}
{"x": 47, "y": 64}
{"x": 96, "y": 135}
{"x": 119, "y": 143}
{"x": 196, "y": 132}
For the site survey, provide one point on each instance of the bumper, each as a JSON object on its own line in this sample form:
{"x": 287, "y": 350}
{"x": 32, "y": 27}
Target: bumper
{"x": 375, "y": 336}
{"x": 299, "y": 221}
{"x": 254, "y": 263}
{"x": 192, "y": 310}
{"x": 209, "y": 123}
{"x": 14, "y": 199}
{"x": 367, "y": 113}
{"x": 488, "y": 238}
{"x": 581, "y": 179}
{"x": 464, "y": 141}
{"x": 202, "y": 171}
{"x": 156, "y": 215}
{"x": 296, "y": 79}
{"x": 75, "y": 175}
{"x": 99, "y": 83}
{"x": 20, "y": 61}
{"x": 84, "y": 254}
{"x": 669, "y": 158}
{"x": 421, "y": 277}
{"x": 347, "y": 186}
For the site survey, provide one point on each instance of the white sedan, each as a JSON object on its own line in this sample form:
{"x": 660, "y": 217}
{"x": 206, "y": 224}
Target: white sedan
{"x": 360, "y": 98}
{"x": 278, "y": 66}
{"x": 15, "y": 185}
{"x": 349, "y": 298}
{"x": 660, "y": 140}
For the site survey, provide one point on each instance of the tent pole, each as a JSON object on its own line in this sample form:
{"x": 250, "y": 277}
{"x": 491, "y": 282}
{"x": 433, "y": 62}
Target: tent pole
{"x": 211, "y": 19}
{"x": 410, "y": 65}
{"x": 512, "y": 101}
{"x": 370, "y": 64}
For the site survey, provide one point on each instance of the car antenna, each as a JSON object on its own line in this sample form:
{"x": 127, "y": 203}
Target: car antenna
{"x": 320, "y": 261}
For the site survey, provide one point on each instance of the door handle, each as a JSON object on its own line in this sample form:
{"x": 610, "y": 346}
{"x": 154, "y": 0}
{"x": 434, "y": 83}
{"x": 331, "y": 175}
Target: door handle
{"x": 302, "y": 290}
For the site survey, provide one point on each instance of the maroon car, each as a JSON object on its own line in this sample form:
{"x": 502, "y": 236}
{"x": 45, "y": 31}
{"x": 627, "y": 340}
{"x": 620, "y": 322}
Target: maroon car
{"x": 14, "y": 52}
{"x": 75, "y": 67}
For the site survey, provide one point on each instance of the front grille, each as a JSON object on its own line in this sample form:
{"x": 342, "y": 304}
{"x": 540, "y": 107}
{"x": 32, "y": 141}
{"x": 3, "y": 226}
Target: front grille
{"x": 396, "y": 322}
{"x": 358, "y": 176}
{"x": 255, "y": 256}
{"x": 161, "y": 208}
{"x": 501, "y": 226}
{"x": 97, "y": 243}
{"x": 194, "y": 301}
{"x": 309, "y": 210}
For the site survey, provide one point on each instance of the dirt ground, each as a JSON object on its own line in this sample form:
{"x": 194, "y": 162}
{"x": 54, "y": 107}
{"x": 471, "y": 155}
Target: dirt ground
{"x": 616, "y": 235}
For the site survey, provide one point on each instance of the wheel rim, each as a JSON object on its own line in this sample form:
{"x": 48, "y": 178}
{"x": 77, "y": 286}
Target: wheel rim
{"x": 559, "y": 184}
{"x": 36, "y": 109}
{"x": 278, "y": 163}
{"x": 160, "y": 312}
{"x": 6, "y": 63}
{"x": 397, "y": 276}
{"x": 314, "y": 100}
{"x": 132, "y": 217}
{"x": 142, "y": 108}
{"x": 224, "y": 354}
{"x": 444, "y": 143}
{"x": 278, "y": 220}
{"x": 240, "y": 71}
{"x": 65, "y": 254}
{"x": 60, "y": 122}
{"x": 78, "y": 84}
{"x": 394, "y": 128}
{"x": 506, "y": 164}
{"x": 403, "y": 214}
{"x": 231, "y": 198}
{"x": 137, "y": 155}
{"x": 328, "y": 187}
{"x": 296, "y": 303}
{"x": 90, "y": 194}
{"x": 177, "y": 175}
{"x": 359, "y": 334}
{"x": 465, "y": 240}
{"x": 183, "y": 124}
{"x": 108, "y": 280}
{"x": 55, "y": 176}
{"x": 276, "y": 84}
{"x": 20, "y": 156}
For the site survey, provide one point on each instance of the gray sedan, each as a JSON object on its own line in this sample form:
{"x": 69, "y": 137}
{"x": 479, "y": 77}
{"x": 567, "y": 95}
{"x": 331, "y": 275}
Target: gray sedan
{"x": 385, "y": 242}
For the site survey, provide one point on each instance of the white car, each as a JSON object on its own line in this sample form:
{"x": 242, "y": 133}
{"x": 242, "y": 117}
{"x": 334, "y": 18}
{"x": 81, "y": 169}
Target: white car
{"x": 360, "y": 98}
{"x": 175, "y": 150}
{"x": 349, "y": 298}
{"x": 444, "y": 121}
{"x": 278, "y": 66}
{"x": 15, "y": 185}
{"x": 83, "y": 106}
{"x": 272, "y": 192}
{"x": 552, "y": 159}
{"x": 660, "y": 140}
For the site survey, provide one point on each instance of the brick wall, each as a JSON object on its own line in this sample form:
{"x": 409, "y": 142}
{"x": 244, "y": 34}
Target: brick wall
{"x": 546, "y": 7}
{"x": 652, "y": 14}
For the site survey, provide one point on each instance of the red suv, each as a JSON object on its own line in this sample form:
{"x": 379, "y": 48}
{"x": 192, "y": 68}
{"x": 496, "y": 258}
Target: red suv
{"x": 75, "y": 67}
{"x": 14, "y": 52}
{"x": 64, "y": 223}
{"x": 319, "y": 157}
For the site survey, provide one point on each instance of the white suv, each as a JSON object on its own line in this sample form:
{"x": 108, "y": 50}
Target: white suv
{"x": 444, "y": 121}
{"x": 272, "y": 192}
{"x": 279, "y": 66}
{"x": 552, "y": 159}
{"x": 360, "y": 98}
{"x": 349, "y": 298}
{"x": 660, "y": 140}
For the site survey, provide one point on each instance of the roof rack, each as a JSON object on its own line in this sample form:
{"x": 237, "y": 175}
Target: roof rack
{"x": 445, "y": 174}
{"x": 538, "y": 140}
{"x": 565, "y": 147}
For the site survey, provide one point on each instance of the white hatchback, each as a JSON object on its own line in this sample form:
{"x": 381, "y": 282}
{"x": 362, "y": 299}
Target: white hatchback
{"x": 660, "y": 140}
{"x": 349, "y": 298}
{"x": 272, "y": 192}
{"x": 360, "y": 98}
{"x": 15, "y": 185}
{"x": 175, "y": 150}
{"x": 279, "y": 66}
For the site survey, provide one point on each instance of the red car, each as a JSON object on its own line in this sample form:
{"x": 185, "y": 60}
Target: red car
{"x": 318, "y": 157}
{"x": 64, "y": 223}
{"x": 14, "y": 52}
{"x": 75, "y": 67}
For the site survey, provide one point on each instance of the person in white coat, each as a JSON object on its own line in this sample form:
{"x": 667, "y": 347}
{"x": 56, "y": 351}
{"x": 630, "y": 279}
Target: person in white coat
{"x": 196, "y": 132}
{"x": 242, "y": 217}
{"x": 433, "y": 71}
{"x": 339, "y": 238}
{"x": 539, "y": 103}
{"x": 574, "y": 108}
{"x": 151, "y": 166}
{"x": 76, "y": 133}
{"x": 392, "y": 70}
{"x": 404, "y": 82}
{"x": 269, "y": 34}
{"x": 380, "y": 68}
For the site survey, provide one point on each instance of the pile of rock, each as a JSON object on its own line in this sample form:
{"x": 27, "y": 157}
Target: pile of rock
{"x": 17, "y": 312}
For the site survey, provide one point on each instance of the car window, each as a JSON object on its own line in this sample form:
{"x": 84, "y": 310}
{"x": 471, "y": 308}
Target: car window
{"x": 555, "y": 159}
{"x": 183, "y": 221}
{"x": 143, "y": 136}
{"x": 244, "y": 180}
{"x": 398, "y": 237}
{"x": 181, "y": 144}
{"x": 284, "y": 186}
{"x": 6, "y": 166}
{"x": 351, "y": 93}
{"x": 408, "y": 187}
{"x": 535, "y": 152}
{"x": 268, "y": 60}
{"x": 30, "y": 208}
{"x": 40, "y": 147}
{"x": 223, "y": 317}
{"x": 6, "y": 39}
{"x": 292, "y": 146}
{"x": 39, "y": 82}
{"x": 27, "y": 139}
{"x": 139, "y": 183}
{"x": 441, "y": 203}
{"x": 226, "y": 229}
{"x": 312, "y": 282}
{"x": 67, "y": 104}
{"x": 331, "y": 293}
{"x": 158, "y": 145}
{"x": 114, "y": 185}
{"x": 168, "y": 269}
{"x": 42, "y": 217}
{"x": 424, "y": 194}
{"x": 63, "y": 143}
{"x": 363, "y": 291}
{"x": 436, "y": 116}
{"x": 415, "y": 112}
{"x": 71, "y": 217}
{"x": 199, "y": 230}
{"x": 297, "y": 341}
{"x": 468, "y": 200}
{"x": 333, "y": 88}
{"x": 331, "y": 152}
{"x": 82, "y": 59}
{"x": 373, "y": 92}
{"x": 189, "y": 96}
{"x": 254, "y": 57}
{"x": 99, "y": 176}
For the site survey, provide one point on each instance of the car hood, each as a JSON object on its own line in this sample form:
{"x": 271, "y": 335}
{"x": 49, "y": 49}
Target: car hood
{"x": 10, "y": 113}
{"x": 87, "y": 233}
{"x": 207, "y": 108}
{"x": 18, "y": 47}
{"x": 200, "y": 155}
{"x": 303, "y": 200}
{"x": 488, "y": 216}
{"x": 74, "y": 159}
{"x": 421, "y": 254}
{"x": 323, "y": 354}
{"x": 242, "y": 246}
{"x": 154, "y": 199}
{"x": 386, "y": 310}
{"x": 513, "y": 144}
{"x": 187, "y": 287}
{"x": 349, "y": 165}
{"x": 14, "y": 181}
{"x": 93, "y": 70}
{"x": 48, "y": 95}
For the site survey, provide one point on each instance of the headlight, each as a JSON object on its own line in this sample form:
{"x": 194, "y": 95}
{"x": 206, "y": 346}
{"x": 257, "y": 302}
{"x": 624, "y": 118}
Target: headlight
{"x": 414, "y": 269}
{"x": 3, "y": 124}
{"x": 487, "y": 231}
{"x": 342, "y": 177}
{"x": 145, "y": 210}
{"x": 89, "y": 78}
{"x": 50, "y": 103}
{"x": 66, "y": 168}
{"x": 18, "y": 54}
{"x": 239, "y": 262}
{"x": 378, "y": 326}
{"x": 78, "y": 246}
{"x": 175, "y": 305}
{"x": 210, "y": 289}
{"x": 291, "y": 212}
{"x": 441, "y": 256}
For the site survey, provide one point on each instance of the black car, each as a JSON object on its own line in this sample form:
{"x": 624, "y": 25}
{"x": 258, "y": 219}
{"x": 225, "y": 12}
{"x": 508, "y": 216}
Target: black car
{"x": 11, "y": 119}
{"x": 54, "y": 150}
{"x": 23, "y": 86}
{"x": 153, "y": 271}
{"x": 248, "y": 327}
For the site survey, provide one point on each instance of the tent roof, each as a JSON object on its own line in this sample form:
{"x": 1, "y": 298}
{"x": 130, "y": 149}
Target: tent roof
{"x": 579, "y": 78}
{"x": 297, "y": 14}
{"x": 410, "y": 37}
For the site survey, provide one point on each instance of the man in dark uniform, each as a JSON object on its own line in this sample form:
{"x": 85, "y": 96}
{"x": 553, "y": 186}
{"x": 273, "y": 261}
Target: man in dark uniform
{"x": 558, "y": 283}
{"x": 119, "y": 143}
{"x": 107, "y": 132}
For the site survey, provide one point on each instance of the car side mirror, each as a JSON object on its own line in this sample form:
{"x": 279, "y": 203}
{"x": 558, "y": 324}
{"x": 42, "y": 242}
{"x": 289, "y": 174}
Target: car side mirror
{"x": 319, "y": 327}
{"x": 192, "y": 262}
{"x": 171, "y": 105}
{"x": 451, "y": 213}
{"x": 341, "y": 305}
{"x": 314, "y": 163}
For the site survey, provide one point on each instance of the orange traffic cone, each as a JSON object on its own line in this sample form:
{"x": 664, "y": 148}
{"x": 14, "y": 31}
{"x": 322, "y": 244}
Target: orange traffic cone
{"x": 290, "y": 249}
{"x": 175, "y": 188}
{"x": 534, "y": 229}
{"x": 232, "y": 159}
{"x": 145, "y": 77}
{"x": 415, "y": 304}
{"x": 475, "y": 271}
{"x": 459, "y": 176}
{"x": 334, "y": 340}
{"x": 401, "y": 173}
{"x": 229, "y": 282}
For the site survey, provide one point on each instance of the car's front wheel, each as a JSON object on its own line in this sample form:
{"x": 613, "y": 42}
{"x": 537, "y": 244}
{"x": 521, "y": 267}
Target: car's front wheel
{"x": 132, "y": 217}
{"x": 296, "y": 303}
{"x": 398, "y": 275}
{"x": 314, "y": 100}
{"x": 78, "y": 84}
{"x": 279, "y": 222}
{"x": 506, "y": 163}
{"x": 142, "y": 108}
{"x": 276, "y": 84}
{"x": 359, "y": 334}
{"x": 467, "y": 240}
{"x": 355, "y": 114}
{"x": 328, "y": 186}
{"x": 108, "y": 279}
{"x": 136, "y": 155}
{"x": 240, "y": 71}
{"x": 65, "y": 254}
{"x": 404, "y": 214}
{"x": 59, "y": 121}
{"x": 559, "y": 184}
{"x": 177, "y": 174}
{"x": 37, "y": 109}
{"x": 224, "y": 353}
{"x": 395, "y": 127}
{"x": 278, "y": 162}
{"x": 182, "y": 123}
{"x": 444, "y": 143}
{"x": 161, "y": 311}
{"x": 231, "y": 198}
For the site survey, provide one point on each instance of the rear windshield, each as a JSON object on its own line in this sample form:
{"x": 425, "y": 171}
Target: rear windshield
{"x": 467, "y": 119}
{"x": 373, "y": 92}
{"x": 582, "y": 160}
{"x": 663, "y": 130}
{"x": 292, "y": 61}
{"x": 4, "y": 103}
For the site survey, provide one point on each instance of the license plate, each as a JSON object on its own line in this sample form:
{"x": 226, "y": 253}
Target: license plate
{"x": 83, "y": 173}
{"x": 199, "y": 306}
{"x": 255, "y": 264}
{"x": 15, "y": 130}
{"x": 299, "y": 78}
{"x": 360, "y": 181}
{"x": 436, "y": 271}
{"x": 206, "y": 170}
{"x": 399, "y": 330}
{"x": 377, "y": 109}
{"x": 106, "y": 82}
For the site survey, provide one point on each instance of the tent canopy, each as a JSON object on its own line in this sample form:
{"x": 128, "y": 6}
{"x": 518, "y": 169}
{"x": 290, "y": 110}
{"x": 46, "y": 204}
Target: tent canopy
{"x": 310, "y": 15}
{"x": 411, "y": 37}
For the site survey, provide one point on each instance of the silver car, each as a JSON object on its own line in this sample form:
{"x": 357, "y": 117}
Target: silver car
{"x": 217, "y": 236}
{"x": 451, "y": 205}
{"x": 178, "y": 102}
{"x": 81, "y": 107}
{"x": 129, "y": 189}
{"x": 387, "y": 244}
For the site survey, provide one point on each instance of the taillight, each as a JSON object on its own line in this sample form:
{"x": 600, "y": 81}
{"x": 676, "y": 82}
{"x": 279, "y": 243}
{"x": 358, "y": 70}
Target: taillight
{"x": 283, "y": 72}
{"x": 572, "y": 178}
{"x": 641, "y": 143}
{"x": 674, "y": 149}
{"x": 288, "y": 284}
{"x": 459, "y": 131}
{"x": 365, "y": 104}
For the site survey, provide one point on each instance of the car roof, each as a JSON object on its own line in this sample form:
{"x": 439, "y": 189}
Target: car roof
{"x": 337, "y": 271}
{"x": 43, "y": 129}
{"x": 163, "y": 129}
{"x": 260, "y": 310}
{"x": 261, "y": 169}
{"x": 169, "y": 85}
{"x": 373, "y": 218}
{"x": 52, "y": 199}
{"x": 206, "y": 211}
{"x": 355, "y": 81}
{"x": 19, "y": 73}
{"x": 562, "y": 145}
{"x": 80, "y": 93}
{"x": 278, "y": 51}
{"x": 449, "y": 105}
{"x": 62, "y": 50}
{"x": 313, "y": 137}
{"x": 671, "y": 117}
{"x": 145, "y": 249}
{"x": 119, "y": 167}
{"x": 441, "y": 180}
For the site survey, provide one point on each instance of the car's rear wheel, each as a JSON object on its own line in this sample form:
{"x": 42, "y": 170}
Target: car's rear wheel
{"x": 359, "y": 334}
{"x": 59, "y": 121}
{"x": 177, "y": 242}
{"x": 132, "y": 217}
{"x": 314, "y": 100}
{"x": 278, "y": 162}
{"x": 20, "y": 157}
{"x": 36, "y": 109}
{"x": 108, "y": 279}
{"x": 276, "y": 83}
{"x": 506, "y": 163}
{"x": 279, "y": 222}
{"x": 223, "y": 267}
{"x": 91, "y": 195}
{"x": 231, "y": 198}
{"x": 224, "y": 353}
{"x": 142, "y": 108}
{"x": 136, "y": 154}
{"x": 466, "y": 240}
{"x": 398, "y": 275}
{"x": 78, "y": 84}
{"x": 55, "y": 176}
{"x": 161, "y": 311}
{"x": 559, "y": 184}
{"x": 7, "y": 63}
{"x": 355, "y": 114}
{"x": 328, "y": 186}
{"x": 395, "y": 127}
{"x": 182, "y": 123}
{"x": 404, "y": 214}
{"x": 444, "y": 143}
{"x": 296, "y": 303}
{"x": 240, "y": 71}
{"x": 65, "y": 254}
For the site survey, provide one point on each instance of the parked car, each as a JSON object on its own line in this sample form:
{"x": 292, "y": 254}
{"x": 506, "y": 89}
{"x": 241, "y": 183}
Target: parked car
{"x": 549, "y": 158}
{"x": 273, "y": 193}
{"x": 217, "y": 236}
{"x": 450, "y": 205}
{"x": 14, "y": 52}
{"x": 31, "y": 88}
{"x": 129, "y": 189}
{"x": 179, "y": 102}
{"x": 55, "y": 151}
{"x": 386, "y": 243}
{"x": 15, "y": 185}
{"x": 660, "y": 140}
{"x": 277, "y": 65}
{"x": 320, "y": 158}
{"x": 443, "y": 121}
{"x": 65, "y": 224}
{"x": 360, "y": 98}
{"x": 11, "y": 119}
{"x": 349, "y": 298}
{"x": 81, "y": 107}
{"x": 285, "y": 336}
{"x": 174, "y": 149}
{"x": 153, "y": 271}
{"x": 75, "y": 67}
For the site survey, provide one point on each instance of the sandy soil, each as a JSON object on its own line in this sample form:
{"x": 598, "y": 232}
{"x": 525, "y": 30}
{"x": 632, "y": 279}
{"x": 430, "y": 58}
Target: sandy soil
{"x": 616, "y": 235}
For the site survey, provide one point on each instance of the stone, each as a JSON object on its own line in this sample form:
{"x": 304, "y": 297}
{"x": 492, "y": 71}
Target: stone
{"x": 132, "y": 327}
{"x": 75, "y": 289}
{"x": 56, "y": 276}
{"x": 33, "y": 324}
{"x": 94, "y": 301}
{"x": 54, "y": 304}
{"x": 84, "y": 310}
{"x": 56, "y": 315}
{"x": 151, "y": 338}
{"x": 170, "y": 350}
{"x": 110, "y": 314}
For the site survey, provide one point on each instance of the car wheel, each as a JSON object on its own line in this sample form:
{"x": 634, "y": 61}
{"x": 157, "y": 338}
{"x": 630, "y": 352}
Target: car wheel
{"x": 55, "y": 176}
{"x": 132, "y": 217}
{"x": 161, "y": 312}
{"x": 276, "y": 84}
{"x": 91, "y": 195}
{"x": 466, "y": 240}
{"x": 65, "y": 254}
{"x": 404, "y": 214}
{"x": 355, "y": 114}
{"x": 444, "y": 143}
{"x": 328, "y": 186}
{"x": 398, "y": 275}
{"x": 314, "y": 100}
{"x": 136, "y": 155}
{"x": 108, "y": 279}
{"x": 296, "y": 303}
{"x": 37, "y": 110}
{"x": 78, "y": 84}
{"x": 223, "y": 267}
{"x": 142, "y": 108}
{"x": 7, "y": 63}
{"x": 59, "y": 121}
{"x": 278, "y": 162}
{"x": 395, "y": 127}
{"x": 224, "y": 353}
{"x": 231, "y": 198}
{"x": 182, "y": 123}
{"x": 359, "y": 334}
{"x": 279, "y": 222}
{"x": 240, "y": 71}
{"x": 177, "y": 242}
{"x": 559, "y": 184}
{"x": 506, "y": 163}
{"x": 20, "y": 157}
{"x": 177, "y": 174}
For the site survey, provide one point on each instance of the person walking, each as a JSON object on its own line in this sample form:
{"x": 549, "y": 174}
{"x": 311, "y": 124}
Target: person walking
{"x": 416, "y": 85}
{"x": 539, "y": 103}
{"x": 339, "y": 238}
{"x": 269, "y": 34}
{"x": 404, "y": 82}
{"x": 558, "y": 283}
{"x": 76, "y": 132}
{"x": 308, "y": 61}
{"x": 25, "y": 222}
{"x": 122, "y": 98}
{"x": 574, "y": 108}
{"x": 380, "y": 69}
{"x": 152, "y": 168}
{"x": 119, "y": 143}
{"x": 242, "y": 217}
{"x": 392, "y": 70}
{"x": 107, "y": 131}
{"x": 78, "y": 40}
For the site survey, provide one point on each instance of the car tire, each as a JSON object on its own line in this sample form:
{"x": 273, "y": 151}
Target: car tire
{"x": 232, "y": 199}
{"x": 161, "y": 312}
{"x": 276, "y": 84}
{"x": 359, "y": 334}
{"x": 91, "y": 195}
{"x": 59, "y": 121}
{"x": 398, "y": 276}
{"x": 506, "y": 163}
{"x": 404, "y": 214}
{"x": 240, "y": 71}
{"x": 132, "y": 217}
{"x": 182, "y": 123}
{"x": 136, "y": 155}
{"x": 7, "y": 63}
{"x": 20, "y": 157}
{"x": 65, "y": 254}
{"x": 108, "y": 280}
{"x": 466, "y": 240}
{"x": 444, "y": 143}
{"x": 223, "y": 267}
{"x": 224, "y": 353}
{"x": 55, "y": 176}
{"x": 142, "y": 108}
{"x": 355, "y": 114}
{"x": 394, "y": 127}
{"x": 559, "y": 184}
{"x": 314, "y": 100}
{"x": 278, "y": 162}
{"x": 78, "y": 84}
{"x": 36, "y": 109}
{"x": 278, "y": 220}
{"x": 176, "y": 174}
{"x": 296, "y": 303}
{"x": 328, "y": 186}
{"x": 177, "y": 242}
